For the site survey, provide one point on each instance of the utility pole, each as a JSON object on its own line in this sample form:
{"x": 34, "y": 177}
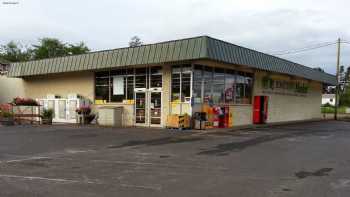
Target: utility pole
{"x": 337, "y": 85}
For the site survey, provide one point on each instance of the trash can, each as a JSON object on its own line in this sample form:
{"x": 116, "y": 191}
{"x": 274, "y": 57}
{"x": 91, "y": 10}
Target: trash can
{"x": 199, "y": 120}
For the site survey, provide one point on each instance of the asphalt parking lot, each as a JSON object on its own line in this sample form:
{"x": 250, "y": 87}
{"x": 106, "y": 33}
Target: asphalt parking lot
{"x": 308, "y": 159}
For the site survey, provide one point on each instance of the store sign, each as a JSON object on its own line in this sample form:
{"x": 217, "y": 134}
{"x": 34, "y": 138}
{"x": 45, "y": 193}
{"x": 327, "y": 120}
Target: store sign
{"x": 118, "y": 85}
{"x": 285, "y": 87}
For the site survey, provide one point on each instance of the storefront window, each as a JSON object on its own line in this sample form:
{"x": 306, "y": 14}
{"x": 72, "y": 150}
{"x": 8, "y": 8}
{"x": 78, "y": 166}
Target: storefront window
{"x": 181, "y": 83}
{"x": 102, "y": 86}
{"x": 197, "y": 84}
{"x": 248, "y": 88}
{"x": 218, "y": 85}
{"x": 175, "y": 84}
{"x": 114, "y": 86}
{"x": 208, "y": 82}
{"x": 118, "y": 85}
{"x": 118, "y": 88}
{"x": 156, "y": 77}
{"x": 240, "y": 82}
{"x": 230, "y": 86}
{"x": 186, "y": 87}
{"x": 244, "y": 88}
{"x": 141, "y": 78}
{"x": 130, "y": 88}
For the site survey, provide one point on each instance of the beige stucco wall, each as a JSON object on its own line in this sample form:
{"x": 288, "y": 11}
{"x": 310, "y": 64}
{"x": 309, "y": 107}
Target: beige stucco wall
{"x": 283, "y": 108}
{"x": 81, "y": 83}
{"x": 241, "y": 115}
{"x": 166, "y": 93}
{"x": 10, "y": 88}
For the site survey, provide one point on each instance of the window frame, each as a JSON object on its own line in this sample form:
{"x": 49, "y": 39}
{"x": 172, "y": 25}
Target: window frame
{"x": 201, "y": 82}
{"x": 234, "y": 74}
{"x": 125, "y": 73}
{"x": 180, "y": 72}
{"x": 106, "y": 75}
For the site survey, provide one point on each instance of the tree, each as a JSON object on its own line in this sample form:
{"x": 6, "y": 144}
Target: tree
{"x": 49, "y": 47}
{"x": 344, "y": 99}
{"x": 77, "y": 49}
{"x": 347, "y": 75}
{"x": 319, "y": 69}
{"x": 52, "y": 47}
{"x": 135, "y": 42}
{"x": 14, "y": 52}
{"x": 343, "y": 79}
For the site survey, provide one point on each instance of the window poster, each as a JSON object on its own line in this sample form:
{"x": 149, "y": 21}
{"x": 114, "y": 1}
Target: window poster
{"x": 118, "y": 85}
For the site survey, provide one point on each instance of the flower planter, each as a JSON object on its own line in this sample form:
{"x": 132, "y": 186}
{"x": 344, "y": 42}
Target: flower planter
{"x": 47, "y": 121}
{"x": 25, "y": 101}
{"x": 84, "y": 115}
{"x": 7, "y": 121}
{"x": 85, "y": 119}
{"x": 89, "y": 118}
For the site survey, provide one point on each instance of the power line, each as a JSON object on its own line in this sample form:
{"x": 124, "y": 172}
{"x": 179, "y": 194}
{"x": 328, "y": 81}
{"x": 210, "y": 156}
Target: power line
{"x": 345, "y": 42}
{"x": 314, "y": 45}
{"x": 307, "y": 48}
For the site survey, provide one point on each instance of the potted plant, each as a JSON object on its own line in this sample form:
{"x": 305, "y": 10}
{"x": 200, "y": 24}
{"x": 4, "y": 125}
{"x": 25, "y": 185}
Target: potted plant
{"x": 84, "y": 115}
{"x": 84, "y": 110}
{"x": 7, "y": 118}
{"x": 47, "y": 116}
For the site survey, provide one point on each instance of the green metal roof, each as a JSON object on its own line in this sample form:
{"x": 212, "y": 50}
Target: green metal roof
{"x": 226, "y": 52}
{"x": 202, "y": 47}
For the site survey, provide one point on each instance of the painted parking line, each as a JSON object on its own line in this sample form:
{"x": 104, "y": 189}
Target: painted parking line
{"x": 161, "y": 165}
{"x": 25, "y": 159}
{"x": 45, "y": 179}
{"x": 70, "y": 181}
{"x": 157, "y": 188}
{"x": 56, "y": 154}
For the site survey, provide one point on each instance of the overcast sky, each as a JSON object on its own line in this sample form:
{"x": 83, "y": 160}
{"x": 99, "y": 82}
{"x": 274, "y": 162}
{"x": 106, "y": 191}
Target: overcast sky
{"x": 264, "y": 25}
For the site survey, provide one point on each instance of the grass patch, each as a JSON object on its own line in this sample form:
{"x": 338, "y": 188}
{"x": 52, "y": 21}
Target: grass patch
{"x": 326, "y": 110}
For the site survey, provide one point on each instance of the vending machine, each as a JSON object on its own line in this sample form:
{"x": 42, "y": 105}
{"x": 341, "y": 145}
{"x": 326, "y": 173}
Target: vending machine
{"x": 260, "y": 112}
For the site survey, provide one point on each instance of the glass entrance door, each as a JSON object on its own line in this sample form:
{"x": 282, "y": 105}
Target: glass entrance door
{"x": 148, "y": 108}
{"x": 156, "y": 108}
{"x": 148, "y": 96}
{"x": 140, "y": 107}
{"x": 62, "y": 110}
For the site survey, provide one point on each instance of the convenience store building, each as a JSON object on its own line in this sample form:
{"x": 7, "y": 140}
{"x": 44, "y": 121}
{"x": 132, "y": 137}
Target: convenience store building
{"x": 233, "y": 85}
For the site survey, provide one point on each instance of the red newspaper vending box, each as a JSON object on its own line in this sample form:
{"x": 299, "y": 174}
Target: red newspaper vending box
{"x": 260, "y": 109}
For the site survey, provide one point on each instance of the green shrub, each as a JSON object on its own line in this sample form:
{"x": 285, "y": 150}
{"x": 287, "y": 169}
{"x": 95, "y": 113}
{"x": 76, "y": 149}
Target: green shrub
{"x": 327, "y": 105}
{"x": 48, "y": 113}
{"x": 331, "y": 109}
{"x": 344, "y": 98}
